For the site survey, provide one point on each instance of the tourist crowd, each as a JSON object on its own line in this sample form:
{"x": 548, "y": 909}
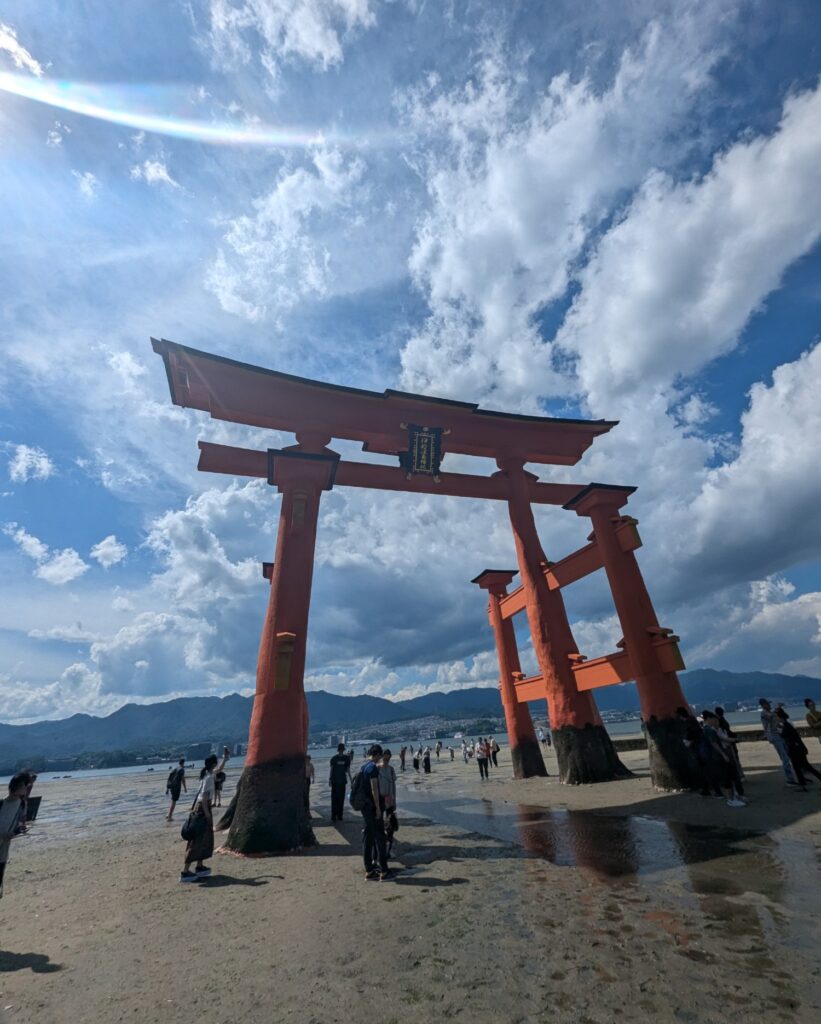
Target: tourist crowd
{"x": 712, "y": 748}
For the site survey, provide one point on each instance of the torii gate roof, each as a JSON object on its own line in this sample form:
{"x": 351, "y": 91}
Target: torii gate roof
{"x": 243, "y": 393}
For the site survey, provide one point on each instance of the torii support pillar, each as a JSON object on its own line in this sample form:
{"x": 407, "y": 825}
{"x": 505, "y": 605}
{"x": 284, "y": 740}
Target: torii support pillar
{"x": 524, "y": 747}
{"x": 659, "y": 692}
{"x": 584, "y": 750}
{"x": 270, "y": 815}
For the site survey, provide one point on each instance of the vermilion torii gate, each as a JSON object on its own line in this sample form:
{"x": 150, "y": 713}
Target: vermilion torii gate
{"x": 269, "y": 813}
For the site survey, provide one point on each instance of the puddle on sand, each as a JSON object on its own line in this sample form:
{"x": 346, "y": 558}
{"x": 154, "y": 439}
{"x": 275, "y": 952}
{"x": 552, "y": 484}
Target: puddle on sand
{"x": 758, "y": 890}
{"x": 623, "y": 848}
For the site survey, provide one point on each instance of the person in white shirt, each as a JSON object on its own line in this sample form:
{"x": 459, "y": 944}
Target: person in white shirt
{"x": 201, "y": 847}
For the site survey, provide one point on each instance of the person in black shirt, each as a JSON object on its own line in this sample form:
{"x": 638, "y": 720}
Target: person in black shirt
{"x": 340, "y": 774}
{"x": 176, "y": 783}
{"x": 700, "y": 776}
{"x": 724, "y": 725}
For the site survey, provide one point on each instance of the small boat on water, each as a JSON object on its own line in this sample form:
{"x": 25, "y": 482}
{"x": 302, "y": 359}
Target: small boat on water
{"x": 457, "y": 735}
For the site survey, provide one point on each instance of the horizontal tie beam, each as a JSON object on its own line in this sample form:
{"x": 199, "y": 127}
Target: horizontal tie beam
{"x": 221, "y": 458}
{"x": 574, "y": 566}
{"x": 616, "y": 668}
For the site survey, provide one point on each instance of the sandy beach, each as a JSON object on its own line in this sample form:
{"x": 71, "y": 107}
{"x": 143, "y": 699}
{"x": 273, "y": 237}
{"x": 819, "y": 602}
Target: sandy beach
{"x": 516, "y": 901}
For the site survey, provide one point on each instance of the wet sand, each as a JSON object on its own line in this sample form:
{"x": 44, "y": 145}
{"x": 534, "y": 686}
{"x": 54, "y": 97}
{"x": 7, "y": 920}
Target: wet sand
{"x": 515, "y": 901}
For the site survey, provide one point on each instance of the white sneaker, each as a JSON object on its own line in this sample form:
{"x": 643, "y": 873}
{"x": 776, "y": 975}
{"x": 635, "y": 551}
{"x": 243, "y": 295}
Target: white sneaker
{"x": 736, "y": 803}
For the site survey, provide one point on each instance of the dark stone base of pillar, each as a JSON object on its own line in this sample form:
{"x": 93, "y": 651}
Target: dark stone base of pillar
{"x": 672, "y": 765}
{"x": 268, "y": 814}
{"x": 228, "y": 814}
{"x": 587, "y": 755}
{"x": 528, "y": 762}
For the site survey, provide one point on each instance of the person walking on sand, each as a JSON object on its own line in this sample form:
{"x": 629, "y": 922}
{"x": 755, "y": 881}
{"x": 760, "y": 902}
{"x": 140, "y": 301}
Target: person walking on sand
{"x": 494, "y": 752}
{"x": 481, "y": 758}
{"x": 438, "y": 748}
{"x": 373, "y": 818}
{"x": 426, "y": 761}
{"x": 402, "y": 755}
{"x": 219, "y": 782}
{"x": 795, "y": 748}
{"x": 772, "y": 733}
{"x": 540, "y": 734}
{"x": 176, "y": 783}
{"x": 813, "y": 717}
{"x": 338, "y": 777}
{"x": 12, "y": 819}
{"x": 201, "y": 847}
{"x": 452, "y": 753}
{"x": 416, "y": 755}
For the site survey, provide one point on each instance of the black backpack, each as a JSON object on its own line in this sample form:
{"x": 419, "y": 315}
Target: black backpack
{"x": 359, "y": 792}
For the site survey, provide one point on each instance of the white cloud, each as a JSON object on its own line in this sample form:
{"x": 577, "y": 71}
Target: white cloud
{"x": 55, "y": 567}
{"x": 20, "y": 56}
{"x": 158, "y": 653}
{"x": 312, "y": 30}
{"x": 517, "y": 192}
{"x": 73, "y": 633}
{"x": 482, "y": 670}
{"x": 109, "y": 551}
{"x": 28, "y": 544}
{"x": 56, "y": 134}
{"x": 677, "y": 278}
{"x": 61, "y": 567}
{"x": 77, "y": 689}
{"x": 271, "y": 260}
{"x": 154, "y": 172}
{"x": 759, "y": 512}
{"x": 517, "y": 199}
{"x": 695, "y": 411}
{"x": 88, "y": 184}
{"x": 768, "y": 627}
{"x": 29, "y": 463}
{"x": 194, "y": 545}
{"x": 367, "y": 676}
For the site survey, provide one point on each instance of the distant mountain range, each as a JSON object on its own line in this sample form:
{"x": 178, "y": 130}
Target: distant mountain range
{"x": 175, "y": 723}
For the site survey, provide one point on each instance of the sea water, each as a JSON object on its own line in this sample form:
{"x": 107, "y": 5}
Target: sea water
{"x": 617, "y": 730}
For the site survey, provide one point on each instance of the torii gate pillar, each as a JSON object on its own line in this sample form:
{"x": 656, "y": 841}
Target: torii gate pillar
{"x": 584, "y": 750}
{"x": 270, "y": 814}
{"x": 660, "y": 692}
{"x": 524, "y": 747}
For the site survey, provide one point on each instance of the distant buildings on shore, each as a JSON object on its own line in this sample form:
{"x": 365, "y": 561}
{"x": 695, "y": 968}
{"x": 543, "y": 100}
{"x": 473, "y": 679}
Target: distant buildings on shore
{"x": 199, "y": 751}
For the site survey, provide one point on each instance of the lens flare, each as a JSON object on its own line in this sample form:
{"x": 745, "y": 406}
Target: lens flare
{"x": 139, "y": 107}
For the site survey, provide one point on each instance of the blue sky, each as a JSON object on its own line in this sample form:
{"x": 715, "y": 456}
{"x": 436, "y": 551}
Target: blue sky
{"x": 607, "y": 209}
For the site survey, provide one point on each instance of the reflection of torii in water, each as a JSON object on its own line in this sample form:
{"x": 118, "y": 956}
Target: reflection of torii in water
{"x": 268, "y": 813}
